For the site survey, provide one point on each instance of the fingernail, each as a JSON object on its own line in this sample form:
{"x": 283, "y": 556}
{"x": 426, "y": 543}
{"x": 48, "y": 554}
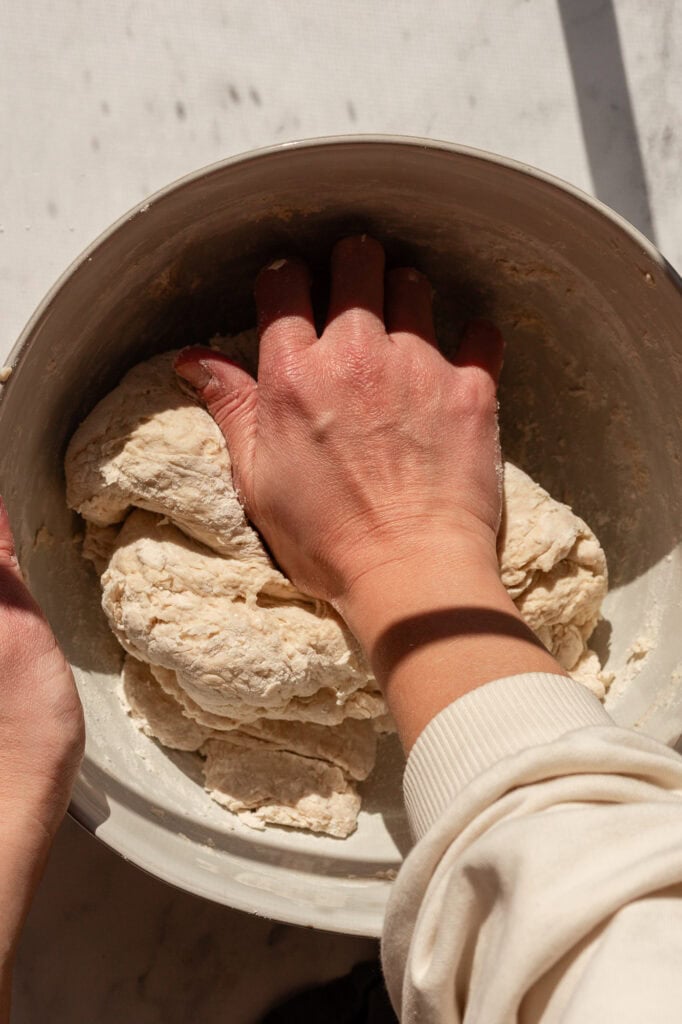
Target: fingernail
{"x": 276, "y": 265}
{"x": 195, "y": 373}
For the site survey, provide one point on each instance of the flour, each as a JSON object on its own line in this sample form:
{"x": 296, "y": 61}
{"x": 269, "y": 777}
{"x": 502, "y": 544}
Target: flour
{"x": 225, "y": 656}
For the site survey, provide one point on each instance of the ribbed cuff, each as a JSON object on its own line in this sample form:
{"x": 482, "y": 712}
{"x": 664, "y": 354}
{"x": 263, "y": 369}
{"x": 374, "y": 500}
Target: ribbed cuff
{"x": 492, "y": 722}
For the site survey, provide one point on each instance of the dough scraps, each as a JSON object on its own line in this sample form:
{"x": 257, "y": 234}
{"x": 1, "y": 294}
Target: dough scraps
{"x": 225, "y": 656}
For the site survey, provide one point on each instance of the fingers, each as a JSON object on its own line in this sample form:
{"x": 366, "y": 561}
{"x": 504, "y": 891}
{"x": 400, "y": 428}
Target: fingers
{"x": 8, "y": 558}
{"x": 13, "y": 591}
{"x": 357, "y": 283}
{"x": 482, "y": 345}
{"x": 285, "y": 313}
{"x": 230, "y": 395}
{"x": 409, "y": 306}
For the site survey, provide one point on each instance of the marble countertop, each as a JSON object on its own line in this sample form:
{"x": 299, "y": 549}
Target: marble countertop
{"x": 103, "y": 104}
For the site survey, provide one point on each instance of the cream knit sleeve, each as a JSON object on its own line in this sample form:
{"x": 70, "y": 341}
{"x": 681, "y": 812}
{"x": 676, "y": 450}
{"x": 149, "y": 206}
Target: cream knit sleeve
{"x": 546, "y": 879}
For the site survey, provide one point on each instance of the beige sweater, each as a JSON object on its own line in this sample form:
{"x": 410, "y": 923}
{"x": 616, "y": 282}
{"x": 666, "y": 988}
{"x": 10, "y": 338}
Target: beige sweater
{"x": 546, "y": 879}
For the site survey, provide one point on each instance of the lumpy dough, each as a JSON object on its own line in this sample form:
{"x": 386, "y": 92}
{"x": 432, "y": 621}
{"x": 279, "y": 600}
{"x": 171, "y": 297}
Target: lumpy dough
{"x": 555, "y": 570}
{"x": 149, "y": 445}
{"x": 322, "y": 709}
{"x": 236, "y": 651}
{"x": 224, "y": 655}
{"x": 351, "y": 746}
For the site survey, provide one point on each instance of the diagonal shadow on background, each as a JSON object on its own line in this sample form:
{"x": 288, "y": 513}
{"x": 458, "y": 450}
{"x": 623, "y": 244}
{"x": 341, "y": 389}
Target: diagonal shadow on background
{"x": 606, "y": 114}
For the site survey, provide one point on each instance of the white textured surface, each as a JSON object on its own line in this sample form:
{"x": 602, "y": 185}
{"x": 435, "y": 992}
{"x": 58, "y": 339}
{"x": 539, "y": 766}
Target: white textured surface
{"x": 104, "y": 103}
{"x": 107, "y": 944}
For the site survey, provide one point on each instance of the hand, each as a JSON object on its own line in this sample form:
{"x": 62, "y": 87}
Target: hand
{"x": 365, "y": 446}
{"x": 41, "y": 729}
{"x": 371, "y": 465}
{"x": 41, "y": 745}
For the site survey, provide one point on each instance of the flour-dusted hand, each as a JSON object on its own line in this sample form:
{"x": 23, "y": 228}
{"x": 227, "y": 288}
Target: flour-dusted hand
{"x": 358, "y": 448}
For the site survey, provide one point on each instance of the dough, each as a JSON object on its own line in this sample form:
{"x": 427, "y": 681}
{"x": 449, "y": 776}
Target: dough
{"x": 148, "y": 444}
{"x": 266, "y": 682}
{"x": 260, "y": 774}
{"x": 281, "y": 788}
{"x": 156, "y": 713}
{"x": 555, "y": 570}
{"x": 322, "y": 709}
{"x": 351, "y": 746}
{"x": 236, "y": 651}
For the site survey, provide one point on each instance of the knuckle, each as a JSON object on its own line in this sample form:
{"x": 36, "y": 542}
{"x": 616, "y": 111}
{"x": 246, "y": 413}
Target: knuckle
{"x": 289, "y": 375}
{"x": 289, "y": 386}
{"x": 281, "y": 329}
{"x": 356, "y": 368}
{"x": 476, "y": 397}
{"x": 357, "y": 338}
{"x": 348, "y": 326}
{"x": 352, "y": 358}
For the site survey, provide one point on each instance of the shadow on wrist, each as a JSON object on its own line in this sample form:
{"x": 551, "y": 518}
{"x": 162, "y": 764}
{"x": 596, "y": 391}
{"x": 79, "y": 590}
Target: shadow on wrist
{"x": 413, "y": 633}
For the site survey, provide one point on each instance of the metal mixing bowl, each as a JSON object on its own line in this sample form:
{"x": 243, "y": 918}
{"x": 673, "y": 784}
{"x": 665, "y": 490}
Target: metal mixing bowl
{"x": 590, "y": 401}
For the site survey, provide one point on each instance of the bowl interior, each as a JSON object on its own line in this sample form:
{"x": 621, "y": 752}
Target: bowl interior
{"x": 588, "y": 406}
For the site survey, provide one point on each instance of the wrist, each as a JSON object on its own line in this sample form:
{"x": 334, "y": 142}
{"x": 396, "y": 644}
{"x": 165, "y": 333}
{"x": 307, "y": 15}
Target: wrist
{"x": 437, "y": 625}
{"x": 442, "y": 571}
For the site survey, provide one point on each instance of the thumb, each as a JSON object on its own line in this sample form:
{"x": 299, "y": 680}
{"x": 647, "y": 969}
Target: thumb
{"x": 230, "y": 394}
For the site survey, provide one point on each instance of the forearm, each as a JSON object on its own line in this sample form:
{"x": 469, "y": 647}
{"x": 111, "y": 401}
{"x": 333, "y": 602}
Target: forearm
{"x": 24, "y": 848}
{"x": 438, "y": 625}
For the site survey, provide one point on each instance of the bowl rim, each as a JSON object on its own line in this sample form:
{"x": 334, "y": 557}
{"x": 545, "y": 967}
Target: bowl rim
{"x": 648, "y": 248}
